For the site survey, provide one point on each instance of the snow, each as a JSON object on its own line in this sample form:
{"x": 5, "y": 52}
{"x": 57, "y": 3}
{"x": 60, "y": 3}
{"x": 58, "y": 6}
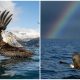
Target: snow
{"x": 26, "y": 34}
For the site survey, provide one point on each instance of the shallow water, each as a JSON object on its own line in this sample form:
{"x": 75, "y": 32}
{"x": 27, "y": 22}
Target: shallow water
{"x": 54, "y": 51}
{"x": 20, "y": 68}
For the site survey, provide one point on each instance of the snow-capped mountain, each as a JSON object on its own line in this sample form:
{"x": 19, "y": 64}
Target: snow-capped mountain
{"x": 26, "y": 34}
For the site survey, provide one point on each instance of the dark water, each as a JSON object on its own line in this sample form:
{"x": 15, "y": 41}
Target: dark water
{"x": 20, "y": 68}
{"x": 54, "y": 51}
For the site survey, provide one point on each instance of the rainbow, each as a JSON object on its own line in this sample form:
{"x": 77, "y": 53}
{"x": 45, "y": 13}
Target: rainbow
{"x": 59, "y": 25}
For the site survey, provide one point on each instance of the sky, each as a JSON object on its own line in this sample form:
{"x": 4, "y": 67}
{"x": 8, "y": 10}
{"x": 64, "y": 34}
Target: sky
{"x": 25, "y": 14}
{"x": 60, "y": 19}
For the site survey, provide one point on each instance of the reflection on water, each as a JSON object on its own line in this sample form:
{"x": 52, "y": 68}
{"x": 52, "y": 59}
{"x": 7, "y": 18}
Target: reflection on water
{"x": 16, "y": 68}
{"x": 5, "y": 66}
{"x": 10, "y": 68}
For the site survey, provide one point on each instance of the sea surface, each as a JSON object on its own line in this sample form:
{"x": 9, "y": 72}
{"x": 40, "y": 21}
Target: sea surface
{"x": 27, "y": 68}
{"x": 52, "y": 52}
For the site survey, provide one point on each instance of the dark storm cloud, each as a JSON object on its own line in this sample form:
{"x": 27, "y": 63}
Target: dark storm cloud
{"x": 50, "y": 12}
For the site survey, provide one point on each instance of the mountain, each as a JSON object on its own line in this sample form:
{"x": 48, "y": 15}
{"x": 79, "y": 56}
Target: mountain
{"x": 27, "y": 38}
{"x": 33, "y": 42}
{"x": 26, "y": 35}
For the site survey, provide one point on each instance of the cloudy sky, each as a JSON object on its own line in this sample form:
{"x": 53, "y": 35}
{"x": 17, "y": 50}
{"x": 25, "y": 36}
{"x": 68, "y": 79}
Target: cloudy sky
{"x": 25, "y": 14}
{"x": 50, "y": 15}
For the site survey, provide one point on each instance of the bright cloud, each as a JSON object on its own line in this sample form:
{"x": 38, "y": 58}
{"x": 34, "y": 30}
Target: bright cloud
{"x": 16, "y": 11}
{"x": 27, "y": 31}
{"x": 10, "y": 6}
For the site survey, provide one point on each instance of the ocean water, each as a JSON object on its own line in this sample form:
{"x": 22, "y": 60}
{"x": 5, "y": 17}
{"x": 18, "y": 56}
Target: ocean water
{"x": 52, "y": 52}
{"x": 27, "y": 68}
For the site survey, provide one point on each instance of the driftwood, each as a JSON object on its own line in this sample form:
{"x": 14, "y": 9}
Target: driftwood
{"x": 6, "y": 49}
